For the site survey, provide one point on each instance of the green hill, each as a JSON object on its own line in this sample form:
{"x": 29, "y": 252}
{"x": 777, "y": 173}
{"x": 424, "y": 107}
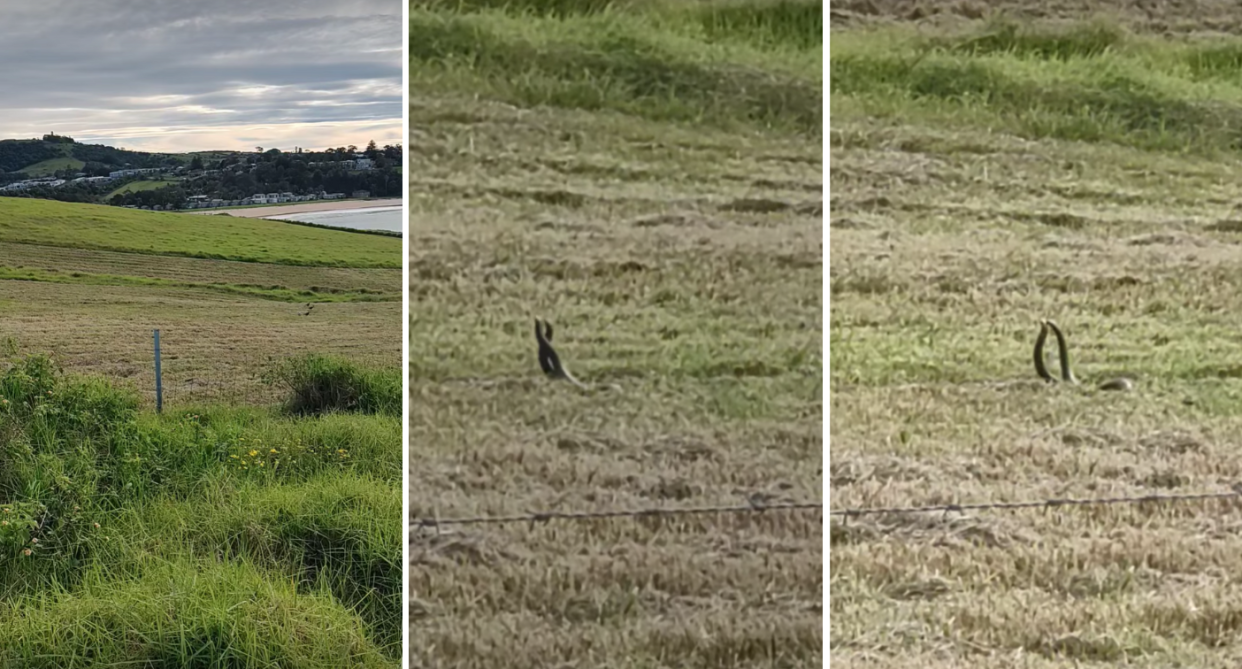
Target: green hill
{"x": 40, "y": 157}
{"x": 150, "y": 184}
{"x": 93, "y": 226}
{"x": 50, "y": 166}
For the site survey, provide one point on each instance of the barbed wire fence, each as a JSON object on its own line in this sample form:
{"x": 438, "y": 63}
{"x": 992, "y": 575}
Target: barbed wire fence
{"x": 754, "y": 506}
{"x": 186, "y": 379}
{"x": 1235, "y": 492}
{"x": 194, "y": 372}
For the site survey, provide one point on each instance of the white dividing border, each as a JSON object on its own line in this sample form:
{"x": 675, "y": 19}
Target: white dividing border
{"x": 405, "y": 332}
{"x": 825, "y": 327}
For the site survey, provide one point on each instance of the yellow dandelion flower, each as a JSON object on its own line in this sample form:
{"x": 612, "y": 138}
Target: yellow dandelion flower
{"x": 260, "y": 464}
{"x": 253, "y": 453}
{"x": 272, "y": 450}
{"x": 27, "y": 552}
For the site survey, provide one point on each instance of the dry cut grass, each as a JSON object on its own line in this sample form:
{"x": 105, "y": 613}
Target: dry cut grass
{"x": 682, "y": 265}
{"x": 948, "y": 246}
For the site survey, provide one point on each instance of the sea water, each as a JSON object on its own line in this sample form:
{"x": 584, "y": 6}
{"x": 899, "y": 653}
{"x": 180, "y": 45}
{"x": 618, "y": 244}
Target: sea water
{"x": 374, "y": 218}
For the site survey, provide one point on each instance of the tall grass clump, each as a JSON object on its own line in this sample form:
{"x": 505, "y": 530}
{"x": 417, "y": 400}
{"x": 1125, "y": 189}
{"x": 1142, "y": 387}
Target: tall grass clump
{"x": 319, "y": 384}
{"x": 737, "y": 64}
{"x": 67, "y": 453}
{"x": 96, "y": 497}
{"x": 186, "y": 615}
{"x": 1087, "y": 82}
{"x": 784, "y": 24}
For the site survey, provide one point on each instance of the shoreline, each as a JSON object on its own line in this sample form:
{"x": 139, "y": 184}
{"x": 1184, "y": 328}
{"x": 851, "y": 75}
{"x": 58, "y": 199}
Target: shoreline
{"x": 303, "y": 208}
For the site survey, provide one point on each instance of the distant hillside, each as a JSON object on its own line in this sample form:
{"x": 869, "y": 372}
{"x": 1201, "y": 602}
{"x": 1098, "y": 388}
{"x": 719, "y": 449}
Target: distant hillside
{"x": 59, "y": 168}
{"x": 91, "y": 226}
{"x": 29, "y": 155}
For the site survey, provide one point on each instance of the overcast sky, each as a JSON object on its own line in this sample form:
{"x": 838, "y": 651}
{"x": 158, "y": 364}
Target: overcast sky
{"x": 192, "y": 75}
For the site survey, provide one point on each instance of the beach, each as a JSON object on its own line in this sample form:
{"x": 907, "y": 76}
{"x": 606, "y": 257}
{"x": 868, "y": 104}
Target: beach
{"x": 303, "y": 208}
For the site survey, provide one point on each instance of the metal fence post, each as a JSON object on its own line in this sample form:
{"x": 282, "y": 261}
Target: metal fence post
{"x": 159, "y": 382}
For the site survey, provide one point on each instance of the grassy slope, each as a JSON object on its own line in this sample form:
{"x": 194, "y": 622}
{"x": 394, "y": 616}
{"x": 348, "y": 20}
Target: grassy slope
{"x": 255, "y": 240}
{"x": 50, "y": 166}
{"x": 134, "y": 186}
{"x": 985, "y": 177}
{"x": 558, "y": 174}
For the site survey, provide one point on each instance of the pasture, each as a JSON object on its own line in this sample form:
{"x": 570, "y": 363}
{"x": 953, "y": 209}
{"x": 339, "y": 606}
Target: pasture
{"x": 220, "y": 237}
{"x": 89, "y": 283}
{"x": 618, "y": 173}
{"x": 135, "y": 186}
{"x": 988, "y": 170}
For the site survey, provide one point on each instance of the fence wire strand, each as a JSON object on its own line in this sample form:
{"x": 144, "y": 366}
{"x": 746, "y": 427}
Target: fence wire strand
{"x": 1234, "y": 493}
{"x": 545, "y": 516}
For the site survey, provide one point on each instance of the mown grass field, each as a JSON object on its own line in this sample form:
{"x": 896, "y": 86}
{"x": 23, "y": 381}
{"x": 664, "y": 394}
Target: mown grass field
{"x": 988, "y": 171}
{"x": 257, "y": 521}
{"x": 648, "y": 178}
{"x": 221, "y": 321}
{"x": 102, "y": 227}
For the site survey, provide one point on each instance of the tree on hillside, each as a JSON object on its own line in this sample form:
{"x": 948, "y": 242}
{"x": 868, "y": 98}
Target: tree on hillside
{"x": 196, "y": 163}
{"x": 372, "y": 150}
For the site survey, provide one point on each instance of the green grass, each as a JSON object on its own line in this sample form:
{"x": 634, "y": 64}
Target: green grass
{"x": 135, "y": 186}
{"x": 319, "y": 384}
{"x": 183, "y": 615}
{"x": 1091, "y": 82}
{"x": 986, "y": 176}
{"x": 746, "y": 65}
{"x": 276, "y": 293}
{"x": 51, "y": 165}
{"x": 227, "y": 238}
{"x": 214, "y": 537}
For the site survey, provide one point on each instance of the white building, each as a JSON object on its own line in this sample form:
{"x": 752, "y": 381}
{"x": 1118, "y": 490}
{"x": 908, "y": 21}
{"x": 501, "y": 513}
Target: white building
{"x": 117, "y": 174}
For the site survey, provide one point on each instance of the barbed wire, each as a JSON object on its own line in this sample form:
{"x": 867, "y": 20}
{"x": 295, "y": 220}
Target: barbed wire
{"x": 754, "y": 506}
{"x": 1234, "y": 493}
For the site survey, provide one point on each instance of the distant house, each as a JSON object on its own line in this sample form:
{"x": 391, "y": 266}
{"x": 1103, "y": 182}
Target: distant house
{"x": 362, "y": 194}
{"x": 117, "y": 174}
{"x": 362, "y": 164}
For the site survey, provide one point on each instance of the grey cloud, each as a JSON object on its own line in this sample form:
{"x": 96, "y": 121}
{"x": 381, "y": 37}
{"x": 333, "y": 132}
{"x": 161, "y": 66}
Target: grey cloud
{"x": 76, "y": 66}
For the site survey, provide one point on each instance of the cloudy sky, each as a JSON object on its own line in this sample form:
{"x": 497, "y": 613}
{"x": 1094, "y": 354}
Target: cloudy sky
{"x": 192, "y": 75}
